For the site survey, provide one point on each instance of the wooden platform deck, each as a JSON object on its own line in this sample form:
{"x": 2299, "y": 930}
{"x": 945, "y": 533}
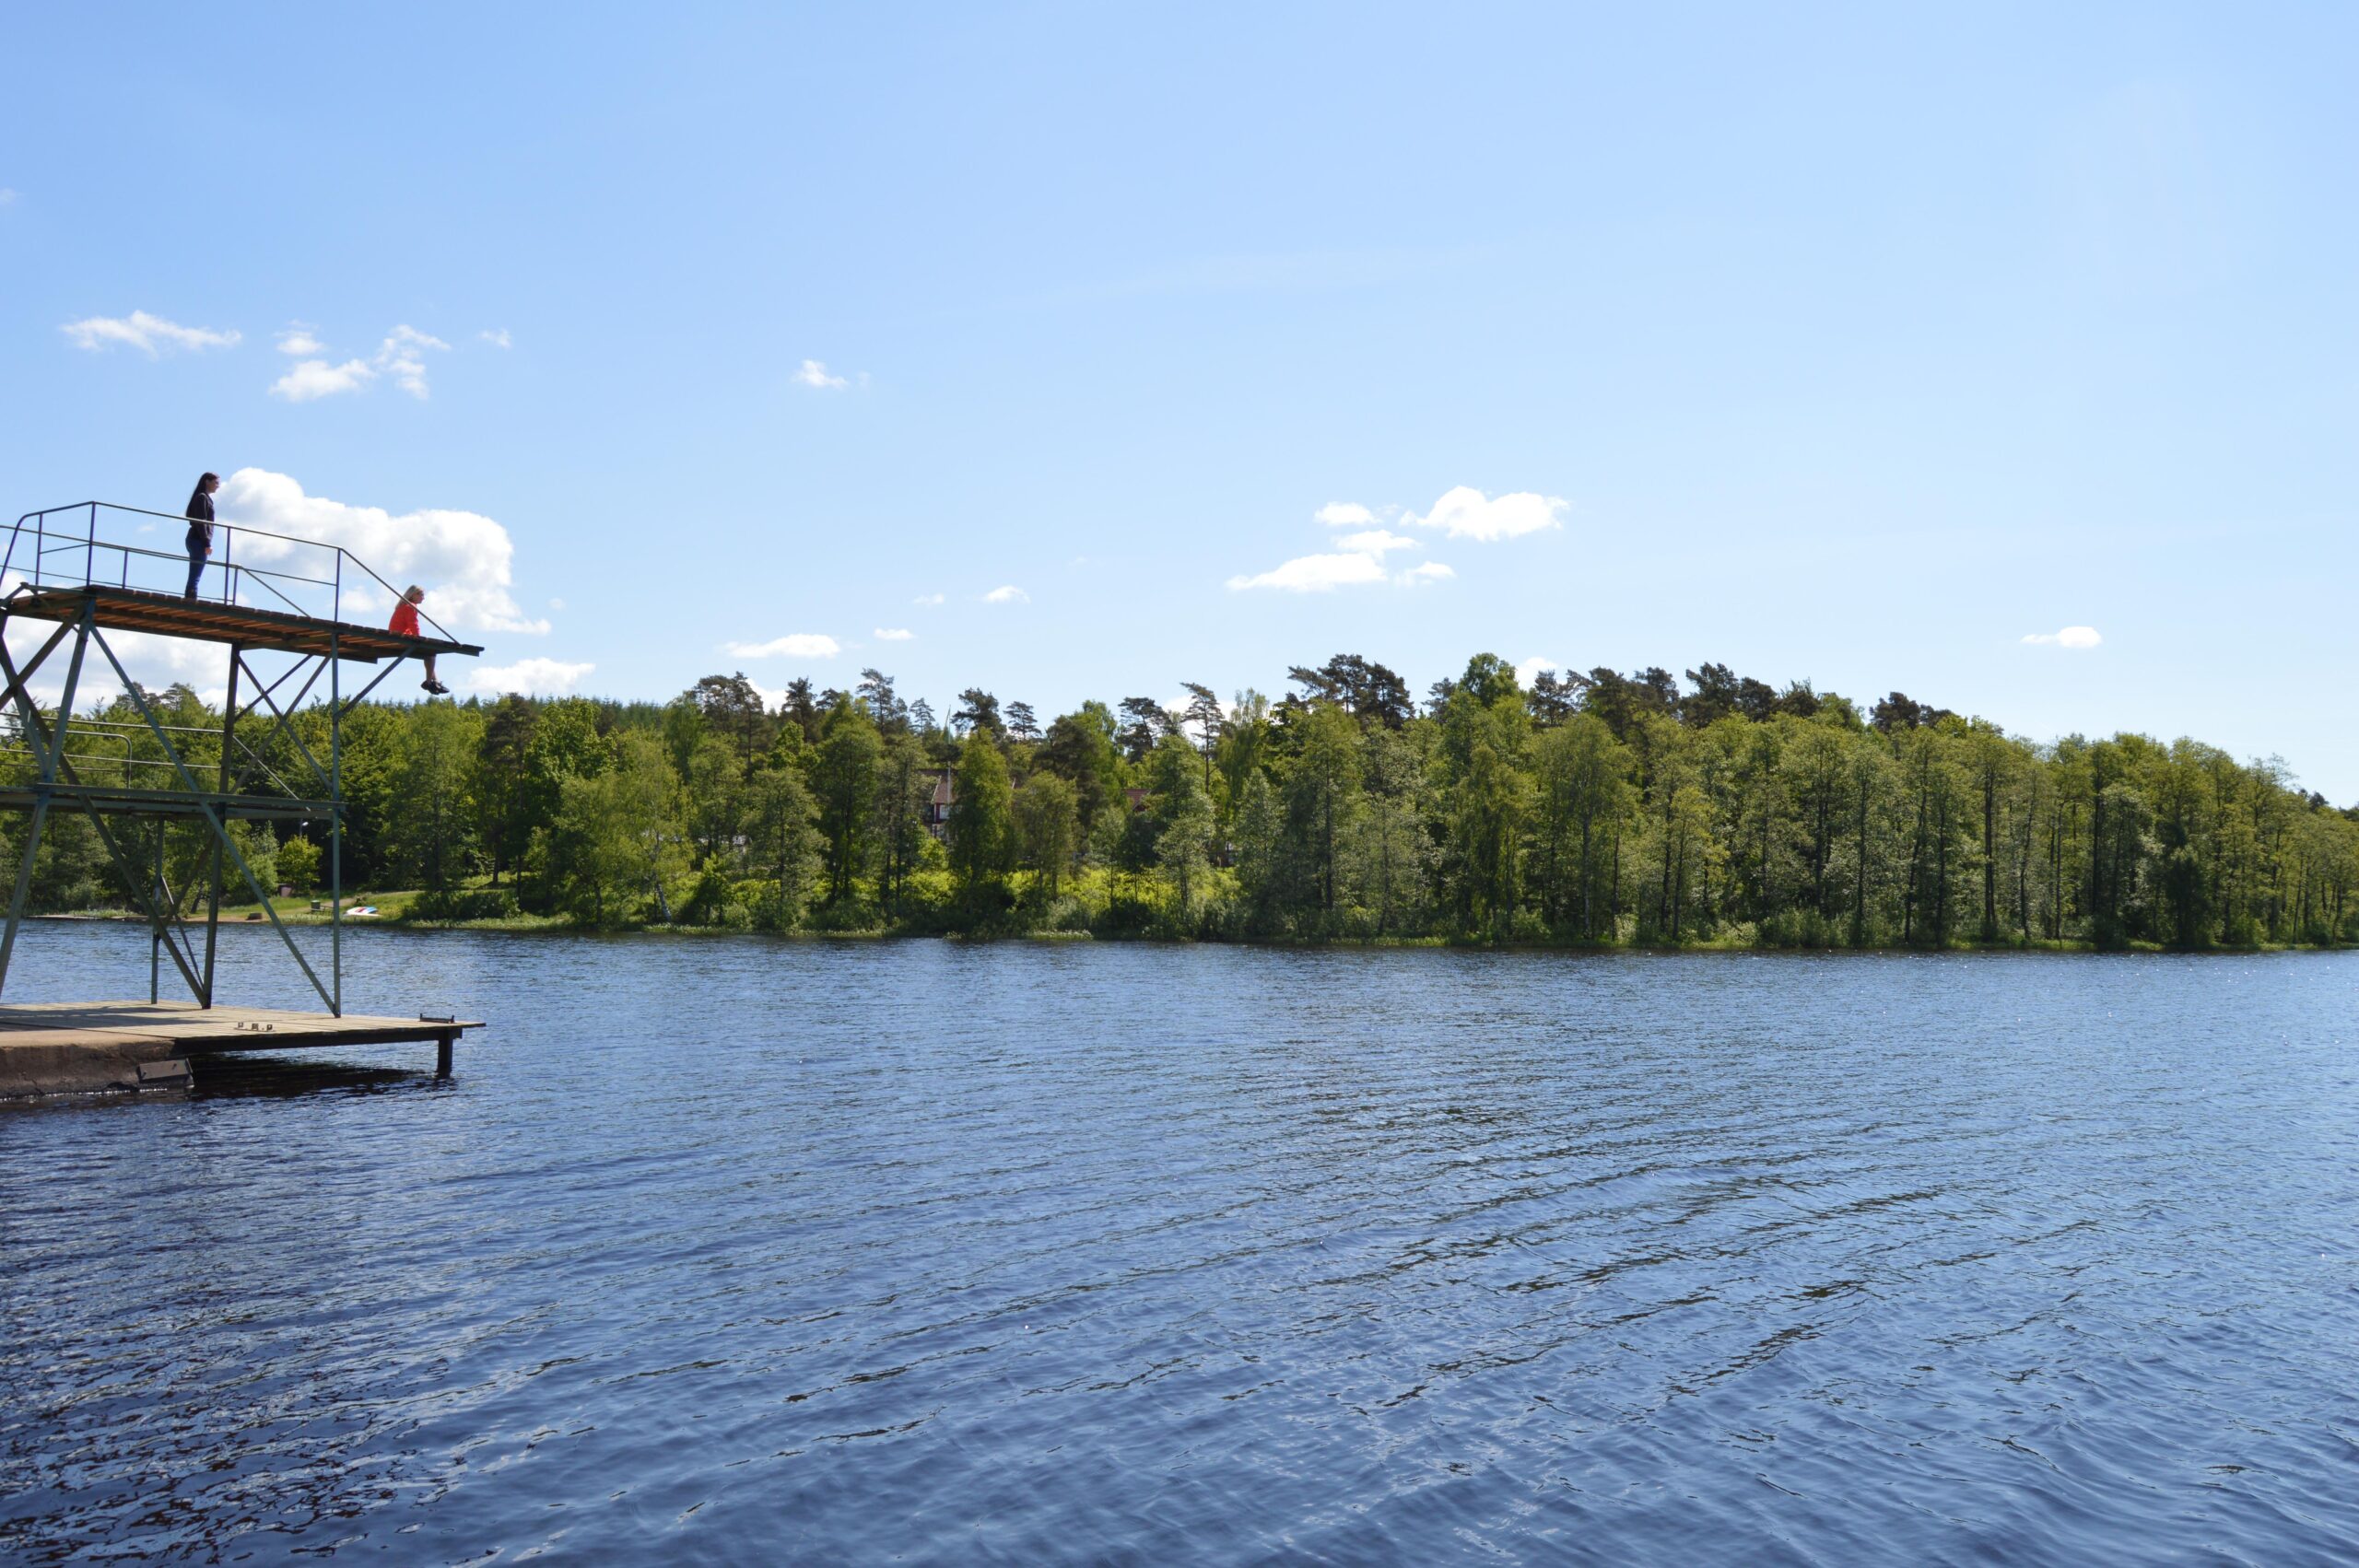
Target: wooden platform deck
{"x": 168, "y": 615}
{"x": 83, "y": 1046}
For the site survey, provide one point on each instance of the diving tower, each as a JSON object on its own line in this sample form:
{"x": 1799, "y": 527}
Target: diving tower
{"x": 276, "y": 605}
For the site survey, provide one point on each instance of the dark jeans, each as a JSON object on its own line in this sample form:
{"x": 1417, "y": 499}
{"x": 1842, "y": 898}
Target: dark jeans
{"x": 197, "y": 550}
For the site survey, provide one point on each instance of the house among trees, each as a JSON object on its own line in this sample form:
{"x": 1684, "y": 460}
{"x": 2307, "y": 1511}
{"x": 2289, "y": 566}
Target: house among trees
{"x": 938, "y": 801}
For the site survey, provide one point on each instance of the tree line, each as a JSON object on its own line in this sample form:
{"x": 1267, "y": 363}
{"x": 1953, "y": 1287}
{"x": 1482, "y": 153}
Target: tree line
{"x": 1596, "y": 809}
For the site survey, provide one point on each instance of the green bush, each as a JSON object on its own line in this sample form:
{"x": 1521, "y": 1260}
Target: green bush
{"x": 464, "y": 904}
{"x": 712, "y": 898}
{"x": 298, "y": 863}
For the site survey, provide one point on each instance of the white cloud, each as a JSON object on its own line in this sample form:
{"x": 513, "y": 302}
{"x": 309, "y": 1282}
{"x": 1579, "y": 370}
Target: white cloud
{"x": 793, "y": 645}
{"x": 400, "y": 358}
{"x": 1526, "y": 669}
{"x": 147, "y": 334}
{"x": 497, "y": 337}
{"x": 894, "y": 634}
{"x": 1466, "y": 513}
{"x": 1316, "y": 574}
{"x": 927, "y": 599}
{"x": 310, "y": 379}
{"x": 1007, "y": 593}
{"x": 537, "y": 677}
{"x": 463, "y": 559}
{"x": 7, "y": 195}
{"x": 815, "y": 374}
{"x": 1357, "y": 559}
{"x": 2071, "y": 637}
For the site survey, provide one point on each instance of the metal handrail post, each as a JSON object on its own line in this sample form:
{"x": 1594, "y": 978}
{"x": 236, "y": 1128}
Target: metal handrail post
{"x": 90, "y": 546}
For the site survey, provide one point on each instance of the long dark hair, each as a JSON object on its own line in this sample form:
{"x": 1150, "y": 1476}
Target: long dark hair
{"x": 203, "y": 480}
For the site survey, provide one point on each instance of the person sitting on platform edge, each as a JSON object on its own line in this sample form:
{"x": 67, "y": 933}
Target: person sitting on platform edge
{"x": 200, "y": 528}
{"x": 405, "y": 624}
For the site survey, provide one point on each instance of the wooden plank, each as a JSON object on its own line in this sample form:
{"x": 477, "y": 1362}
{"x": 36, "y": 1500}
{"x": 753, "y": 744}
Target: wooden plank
{"x": 45, "y": 1039}
{"x": 186, "y": 1027}
{"x": 137, "y": 1015}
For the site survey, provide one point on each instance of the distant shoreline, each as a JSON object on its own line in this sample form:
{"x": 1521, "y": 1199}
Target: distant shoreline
{"x": 531, "y": 926}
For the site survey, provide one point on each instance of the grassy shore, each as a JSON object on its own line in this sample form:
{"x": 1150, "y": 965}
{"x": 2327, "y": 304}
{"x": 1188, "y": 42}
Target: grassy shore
{"x": 393, "y": 910}
{"x": 1091, "y": 896}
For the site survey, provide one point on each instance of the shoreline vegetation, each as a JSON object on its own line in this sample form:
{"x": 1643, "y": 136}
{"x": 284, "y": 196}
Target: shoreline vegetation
{"x": 560, "y": 925}
{"x": 1584, "y": 812}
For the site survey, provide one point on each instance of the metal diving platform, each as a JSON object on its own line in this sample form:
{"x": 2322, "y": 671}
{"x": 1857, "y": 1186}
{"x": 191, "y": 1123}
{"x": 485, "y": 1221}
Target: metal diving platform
{"x": 279, "y": 607}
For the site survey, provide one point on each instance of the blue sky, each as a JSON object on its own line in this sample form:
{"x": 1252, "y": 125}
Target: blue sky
{"x": 1849, "y": 343}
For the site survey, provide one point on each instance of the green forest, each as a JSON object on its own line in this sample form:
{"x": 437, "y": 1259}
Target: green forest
{"x": 1604, "y": 809}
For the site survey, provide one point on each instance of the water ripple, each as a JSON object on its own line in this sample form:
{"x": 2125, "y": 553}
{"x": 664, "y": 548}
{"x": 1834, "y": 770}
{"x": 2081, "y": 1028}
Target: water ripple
{"x": 740, "y": 1250}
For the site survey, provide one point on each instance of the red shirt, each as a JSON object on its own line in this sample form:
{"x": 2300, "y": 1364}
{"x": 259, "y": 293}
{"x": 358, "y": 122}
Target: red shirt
{"x": 405, "y": 622}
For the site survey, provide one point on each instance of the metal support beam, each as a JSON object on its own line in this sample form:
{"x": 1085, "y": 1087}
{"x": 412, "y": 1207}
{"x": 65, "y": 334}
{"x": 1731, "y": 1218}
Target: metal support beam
{"x": 212, "y": 891}
{"x": 18, "y": 678}
{"x": 158, "y": 901}
{"x": 249, "y": 777}
{"x": 285, "y": 717}
{"x": 336, "y": 794}
{"x": 163, "y": 907}
{"x": 263, "y": 694}
{"x": 155, "y": 926}
{"x": 357, "y": 698}
{"x": 50, "y": 755}
{"x": 213, "y": 820}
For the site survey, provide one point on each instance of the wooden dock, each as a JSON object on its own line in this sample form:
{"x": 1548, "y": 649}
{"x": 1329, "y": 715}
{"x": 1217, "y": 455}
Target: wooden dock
{"x": 91, "y": 1047}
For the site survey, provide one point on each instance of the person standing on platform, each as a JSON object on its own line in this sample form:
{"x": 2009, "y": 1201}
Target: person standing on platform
{"x": 405, "y": 624}
{"x": 200, "y": 528}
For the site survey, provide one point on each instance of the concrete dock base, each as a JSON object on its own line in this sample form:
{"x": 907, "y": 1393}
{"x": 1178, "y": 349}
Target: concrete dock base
{"x": 36, "y": 1063}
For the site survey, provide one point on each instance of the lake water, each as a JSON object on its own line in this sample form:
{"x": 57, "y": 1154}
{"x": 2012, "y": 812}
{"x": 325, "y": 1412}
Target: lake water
{"x": 738, "y": 1251}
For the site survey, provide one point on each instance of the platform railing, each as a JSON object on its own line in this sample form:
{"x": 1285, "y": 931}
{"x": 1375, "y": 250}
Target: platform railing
{"x": 45, "y": 550}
